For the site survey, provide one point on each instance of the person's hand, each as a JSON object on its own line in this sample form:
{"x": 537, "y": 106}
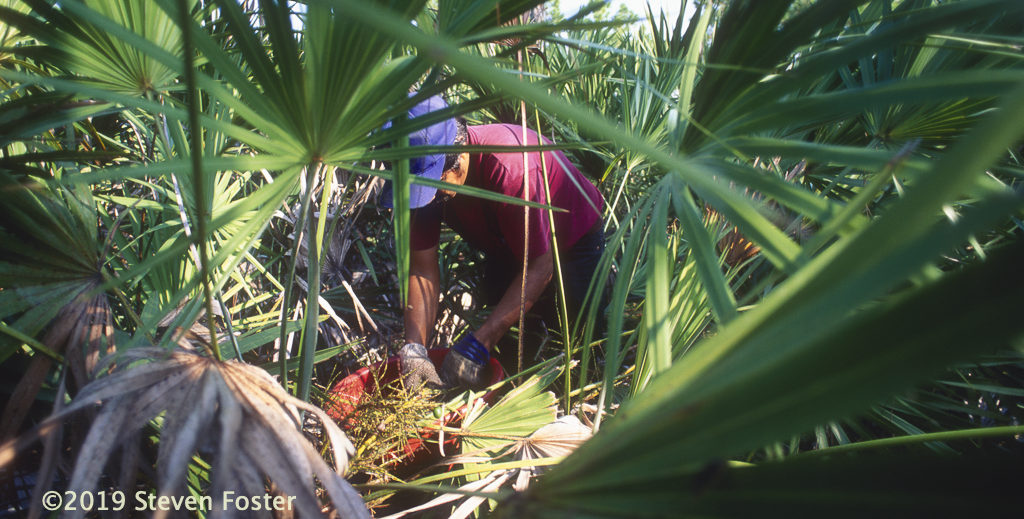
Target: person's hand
{"x": 417, "y": 369}
{"x": 464, "y": 365}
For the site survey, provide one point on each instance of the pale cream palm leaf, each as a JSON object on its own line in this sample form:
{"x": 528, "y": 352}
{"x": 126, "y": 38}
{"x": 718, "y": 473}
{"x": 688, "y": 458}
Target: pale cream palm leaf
{"x": 233, "y": 413}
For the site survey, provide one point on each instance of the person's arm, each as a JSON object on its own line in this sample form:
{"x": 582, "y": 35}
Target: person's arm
{"x": 538, "y": 274}
{"x": 417, "y": 369}
{"x": 424, "y": 290}
{"x": 464, "y": 364}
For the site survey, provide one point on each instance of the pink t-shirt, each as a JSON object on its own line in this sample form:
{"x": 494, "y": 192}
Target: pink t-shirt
{"x": 497, "y": 227}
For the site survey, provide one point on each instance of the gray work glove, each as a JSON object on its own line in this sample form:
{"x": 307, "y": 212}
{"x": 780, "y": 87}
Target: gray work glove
{"x": 417, "y": 369}
{"x": 464, "y": 365}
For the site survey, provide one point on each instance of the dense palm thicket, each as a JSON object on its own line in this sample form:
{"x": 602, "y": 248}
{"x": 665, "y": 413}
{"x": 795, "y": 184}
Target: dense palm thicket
{"x": 813, "y": 267}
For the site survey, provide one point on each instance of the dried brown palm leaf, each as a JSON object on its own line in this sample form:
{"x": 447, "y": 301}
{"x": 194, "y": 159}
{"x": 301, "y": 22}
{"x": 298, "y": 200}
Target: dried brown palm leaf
{"x": 736, "y": 248}
{"x": 51, "y": 453}
{"x": 733, "y": 245}
{"x": 530, "y": 16}
{"x": 198, "y": 333}
{"x": 50, "y": 271}
{"x": 232, "y": 413}
{"x": 82, "y": 332}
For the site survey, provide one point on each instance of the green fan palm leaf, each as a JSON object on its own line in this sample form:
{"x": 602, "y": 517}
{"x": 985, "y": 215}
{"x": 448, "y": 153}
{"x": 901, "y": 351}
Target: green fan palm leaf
{"x": 862, "y": 152}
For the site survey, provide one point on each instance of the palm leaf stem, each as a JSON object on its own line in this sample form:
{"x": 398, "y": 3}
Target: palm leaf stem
{"x": 198, "y": 182}
{"x": 311, "y": 329}
{"x": 563, "y": 311}
{"x": 31, "y": 342}
{"x": 286, "y": 297}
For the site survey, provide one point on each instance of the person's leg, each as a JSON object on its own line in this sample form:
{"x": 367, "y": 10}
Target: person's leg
{"x": 499, "y": 274}
{"x": 578, "y": 270}
{"x": 579, "y": 263}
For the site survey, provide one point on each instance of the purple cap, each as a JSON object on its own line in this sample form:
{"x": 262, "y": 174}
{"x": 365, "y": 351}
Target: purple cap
{"x": 429, "y": 166}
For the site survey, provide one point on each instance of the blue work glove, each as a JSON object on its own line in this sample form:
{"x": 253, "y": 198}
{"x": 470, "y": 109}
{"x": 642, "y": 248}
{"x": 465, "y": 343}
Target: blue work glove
{"x": 464, "y": 365}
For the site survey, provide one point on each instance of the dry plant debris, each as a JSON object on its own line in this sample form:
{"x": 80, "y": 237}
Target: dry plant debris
{"x": 83, "y": 332}
{"x": 231, "y": 412}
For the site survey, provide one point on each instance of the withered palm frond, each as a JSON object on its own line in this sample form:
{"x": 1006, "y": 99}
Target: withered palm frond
{"x": 82, "y": 332}
{"x": 558, "y": 438}
{"x": 49, "y": 275}
{"x": 231, "y": 412}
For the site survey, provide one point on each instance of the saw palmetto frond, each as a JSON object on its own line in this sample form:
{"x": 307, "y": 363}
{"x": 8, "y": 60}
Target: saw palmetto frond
{"x": 231, "y": 413}
{"x": 50, "y": 273}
